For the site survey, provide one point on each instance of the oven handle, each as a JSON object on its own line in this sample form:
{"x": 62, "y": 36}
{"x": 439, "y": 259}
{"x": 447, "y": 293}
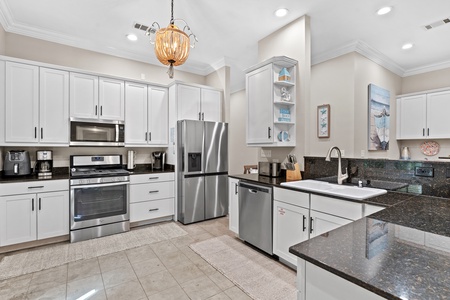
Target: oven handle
{"x": 73, "y": 187}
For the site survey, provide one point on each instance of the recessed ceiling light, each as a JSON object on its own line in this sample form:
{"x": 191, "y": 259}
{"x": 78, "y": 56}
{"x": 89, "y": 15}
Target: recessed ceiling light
{"x": 407, "y": 46}
{"x": 132, "y": 37}
{"x": 281, "y": 12}
{"x": 384, "y": 10}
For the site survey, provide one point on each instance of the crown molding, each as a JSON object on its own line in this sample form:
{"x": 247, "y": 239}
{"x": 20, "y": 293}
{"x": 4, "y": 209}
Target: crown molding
{"x": 428, "y": 68}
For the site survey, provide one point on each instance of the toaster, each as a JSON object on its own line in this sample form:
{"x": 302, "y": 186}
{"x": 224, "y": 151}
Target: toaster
{"x": 16, "y": 163}
{"x": 272, "y": 169}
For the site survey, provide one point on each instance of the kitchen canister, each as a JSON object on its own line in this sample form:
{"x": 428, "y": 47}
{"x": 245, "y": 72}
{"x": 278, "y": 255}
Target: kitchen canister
{"x": 405, "y": 153}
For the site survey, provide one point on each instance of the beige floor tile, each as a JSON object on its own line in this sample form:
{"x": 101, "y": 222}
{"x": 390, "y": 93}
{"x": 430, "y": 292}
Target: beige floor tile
{"x": 48, "y": 279}
{"x": 82, "y": 269}
{"x": 147, "y": 267}
{"x": 194, "y": 257}
{"x": 118, "y": 276}
{"x": 221, "y": 296}
{"x": 200, "y": 288}
{"x": 202, "y": 237}
{"x": 170, "y": 294}
{"x": 193, "y": 229}
{"x": 57, "y": 292}
{"x": 157, "y": 282}
{"x": 163, "y": 248}
{"x": 185, "y": 272}
{"x": 92, "y": 285}
{"x": 140, "y": 254}
{"x": 113, "y": 261}
{"x": 172, "y": 259}
{"x": 221, "y": 281}
{"x": 205, "y": 267}
{"x": 181, "y": 241}
{"x": 236, "y": 293}
{"x": 131, "y": 290}
{"x": 15, "y": 288}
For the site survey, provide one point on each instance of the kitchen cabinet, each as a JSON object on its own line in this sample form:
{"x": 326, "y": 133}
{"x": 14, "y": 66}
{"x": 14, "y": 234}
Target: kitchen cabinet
{"x": 152, "y": 197}
{"x": 39, "y": 213}
{"x": 371, "y": 209}
{"x": 322, "y": 223}
{"x": 94, "y": 98}
{"x": 233, "y": 205}
{"x": 147, "y": 112}
{"x": 37, "y": 105}
{"x": 271, "y": 104}
{"x": 423, "y": 116}
{"x": 198, "y": 103}
{"x": 290, "y": 222}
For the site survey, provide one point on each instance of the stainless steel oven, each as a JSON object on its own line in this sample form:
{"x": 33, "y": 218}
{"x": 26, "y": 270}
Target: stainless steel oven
{"x": 99, "y": 197}
{"x": 90, "y": 133}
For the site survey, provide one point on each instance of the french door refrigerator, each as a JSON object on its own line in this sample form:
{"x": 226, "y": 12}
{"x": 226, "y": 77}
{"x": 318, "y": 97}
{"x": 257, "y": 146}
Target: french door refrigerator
{"x": 202, "y": 170}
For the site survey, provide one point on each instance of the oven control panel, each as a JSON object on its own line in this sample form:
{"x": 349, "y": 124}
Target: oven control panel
{"x": 99, "y": 180}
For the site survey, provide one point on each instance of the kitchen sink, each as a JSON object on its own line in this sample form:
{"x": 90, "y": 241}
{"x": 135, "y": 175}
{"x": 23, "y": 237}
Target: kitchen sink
{"x": 345, "y": 191}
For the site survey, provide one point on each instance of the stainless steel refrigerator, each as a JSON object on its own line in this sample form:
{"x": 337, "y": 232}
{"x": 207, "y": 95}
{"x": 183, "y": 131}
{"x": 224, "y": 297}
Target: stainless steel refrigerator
{"x": 202, "y": 170}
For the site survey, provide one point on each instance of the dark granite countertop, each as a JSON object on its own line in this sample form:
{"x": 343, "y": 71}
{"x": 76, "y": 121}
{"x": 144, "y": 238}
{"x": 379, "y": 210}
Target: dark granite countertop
{"x": 58, "y": 173}
{"x": 147, "y": 169}
{"x": 378, "y": 253}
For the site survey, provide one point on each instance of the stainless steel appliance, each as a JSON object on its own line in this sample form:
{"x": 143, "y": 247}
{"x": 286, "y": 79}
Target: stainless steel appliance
{"x": 17, "y": 163}
{"x": 202, "y": 160}
{"x": 99, "y": 196}
{"x": 272, "y": 169}
{"x": 255, "y": 215}
{"x": 131, "y": 160}
{"x": 44, "y": 163}
{"x": 102, "y": 133}
{"x": 159, "y": 159}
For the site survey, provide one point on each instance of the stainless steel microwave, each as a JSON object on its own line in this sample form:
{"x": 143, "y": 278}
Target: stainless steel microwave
{"x": 97, "y": 133}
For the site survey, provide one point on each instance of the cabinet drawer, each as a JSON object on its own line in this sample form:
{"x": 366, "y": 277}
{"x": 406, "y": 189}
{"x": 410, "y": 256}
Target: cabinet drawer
{"x": 341, "y": 208}
{"x": 151, "y": 209}
{"x": 152, "y": 177}
{"x": 291, "y": 197}
{"x": 33, "y": 187}
{"x": 151, "y": 191}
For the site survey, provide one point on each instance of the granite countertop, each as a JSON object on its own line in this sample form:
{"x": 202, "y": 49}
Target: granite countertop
{"x": 380, "y": 254}
{"x": 147, "y": 169}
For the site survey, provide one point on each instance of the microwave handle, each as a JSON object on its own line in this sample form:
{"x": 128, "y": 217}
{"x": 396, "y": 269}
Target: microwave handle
{"x": 117, "y": 133}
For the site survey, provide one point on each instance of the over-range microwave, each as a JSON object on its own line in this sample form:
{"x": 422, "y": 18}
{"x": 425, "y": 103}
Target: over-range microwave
{"x": 97, "y": 133}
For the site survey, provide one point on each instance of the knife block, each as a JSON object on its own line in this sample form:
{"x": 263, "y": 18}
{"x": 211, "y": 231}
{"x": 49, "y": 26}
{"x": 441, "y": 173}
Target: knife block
{"x": 293, "y": 175}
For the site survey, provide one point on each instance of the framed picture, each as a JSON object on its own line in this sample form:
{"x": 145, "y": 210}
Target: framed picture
{"x": 379, "y": 118}
{"x": 323, "y": 121}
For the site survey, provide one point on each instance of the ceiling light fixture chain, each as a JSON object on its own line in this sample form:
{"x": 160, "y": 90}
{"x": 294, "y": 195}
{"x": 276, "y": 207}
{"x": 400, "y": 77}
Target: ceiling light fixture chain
{"x": 171, "y": 44}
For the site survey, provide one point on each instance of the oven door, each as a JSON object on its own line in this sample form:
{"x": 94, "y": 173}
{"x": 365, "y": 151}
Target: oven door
{"x": 99, "y": 204}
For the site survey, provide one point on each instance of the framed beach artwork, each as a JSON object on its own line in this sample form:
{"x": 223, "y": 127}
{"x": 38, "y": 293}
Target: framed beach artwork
{"x": 379, "y": 118}
{"x": 323, "y": 121}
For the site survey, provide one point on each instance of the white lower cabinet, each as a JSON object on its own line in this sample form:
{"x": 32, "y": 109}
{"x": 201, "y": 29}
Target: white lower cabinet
{"x": 322, "y": 223}
{"x": 152, "y": 196}
{"x": 290, "y": 221}
{"x": 371, "y": 209}
{"x": 33, "y": 216}
{"x": 233, "y": 205}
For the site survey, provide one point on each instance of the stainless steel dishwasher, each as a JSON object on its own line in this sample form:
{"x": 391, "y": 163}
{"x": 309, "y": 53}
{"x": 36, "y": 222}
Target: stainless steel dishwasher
{"x": 255, "y": 215}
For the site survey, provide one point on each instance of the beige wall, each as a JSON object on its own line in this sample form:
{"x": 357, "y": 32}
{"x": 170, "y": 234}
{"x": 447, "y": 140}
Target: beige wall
{"x": 426, "y": 81}
{"x": 2, "y": 40}
{"x": 221, "y": 79}
{"x": 239, "y": 154}
{"x": 20, "y": 46}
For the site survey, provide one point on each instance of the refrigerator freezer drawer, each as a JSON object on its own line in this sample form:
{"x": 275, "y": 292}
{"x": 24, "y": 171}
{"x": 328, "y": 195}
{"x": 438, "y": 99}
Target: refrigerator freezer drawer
{"x": 191, "y": 205}
{"x": 216, "y": 196}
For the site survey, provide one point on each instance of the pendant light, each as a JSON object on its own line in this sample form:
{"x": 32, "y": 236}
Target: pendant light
{"x": 172, "y": 45}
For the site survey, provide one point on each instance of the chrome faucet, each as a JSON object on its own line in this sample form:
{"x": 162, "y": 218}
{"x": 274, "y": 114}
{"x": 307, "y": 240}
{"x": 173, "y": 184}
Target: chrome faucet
{"x": 340, "y": 176}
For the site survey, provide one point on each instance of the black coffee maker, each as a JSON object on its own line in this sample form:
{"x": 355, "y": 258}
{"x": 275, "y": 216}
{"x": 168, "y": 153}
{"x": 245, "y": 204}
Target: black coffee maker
{"x": 159, "y": 159}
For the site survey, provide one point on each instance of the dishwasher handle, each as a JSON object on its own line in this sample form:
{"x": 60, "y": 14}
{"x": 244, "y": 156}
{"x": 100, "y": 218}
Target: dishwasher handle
{"x": 255, "y": 188}
{"x": 252, "y": 191}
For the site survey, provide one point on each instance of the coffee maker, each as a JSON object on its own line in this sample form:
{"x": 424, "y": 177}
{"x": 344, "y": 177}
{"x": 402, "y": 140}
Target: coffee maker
{"x": 44, "y": 163}
{"x": 159, "y": 159}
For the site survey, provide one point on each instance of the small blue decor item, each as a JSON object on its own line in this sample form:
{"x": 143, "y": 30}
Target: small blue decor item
{"x": 284, "y": 75}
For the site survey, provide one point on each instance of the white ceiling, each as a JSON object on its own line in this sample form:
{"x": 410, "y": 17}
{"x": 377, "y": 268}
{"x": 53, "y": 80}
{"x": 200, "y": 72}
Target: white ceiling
{"x": 228, "y": 30}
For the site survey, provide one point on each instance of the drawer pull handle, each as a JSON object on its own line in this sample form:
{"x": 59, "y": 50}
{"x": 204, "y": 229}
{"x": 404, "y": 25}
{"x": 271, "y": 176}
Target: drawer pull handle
{"x": 32, "y": 204}
{"x": 153, "y": 178}
{"x": 153, "y": 209}
{"x": 36, "y": 187}
{"x": 39, "y": 203}
{"x": 151, "y": 192}
{"x": 304, "y": 223}
{"x": 311, "y": 226}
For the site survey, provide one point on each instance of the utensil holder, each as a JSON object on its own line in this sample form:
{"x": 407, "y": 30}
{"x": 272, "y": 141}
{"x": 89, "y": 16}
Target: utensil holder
{"x": 293, "y": 175}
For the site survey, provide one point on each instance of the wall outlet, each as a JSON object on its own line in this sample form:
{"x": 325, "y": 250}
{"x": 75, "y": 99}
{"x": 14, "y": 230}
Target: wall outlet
{"x": 266, "y": 153}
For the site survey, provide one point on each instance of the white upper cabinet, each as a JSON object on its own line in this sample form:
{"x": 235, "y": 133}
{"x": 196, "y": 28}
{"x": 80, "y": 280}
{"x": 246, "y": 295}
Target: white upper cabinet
{"x": 96, "y": 98}
{"x": 211, "y": 105}
{"x": 423, "y": 116}
{"x": 198, "y": 103}
{"x": 53, "y": 106}
{"x": 22, "y": 103}
{"x": 158, "y": 116}
{"x": 271, "y": 100}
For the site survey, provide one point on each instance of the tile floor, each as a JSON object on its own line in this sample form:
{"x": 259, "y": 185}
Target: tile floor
{"x": 165, "y": 270}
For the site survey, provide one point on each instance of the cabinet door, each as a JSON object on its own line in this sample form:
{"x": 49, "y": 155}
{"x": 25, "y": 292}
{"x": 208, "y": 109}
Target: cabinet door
{"x": 211, "y": 105}
{"x": 290, "y": 227}
{"x": 260, "y": 107}
{"x": 438, "y": 121}
{"x": 411, "y": 117}
{"x": 322, "y": 223}
{"x": 158, "y": 116}
{"x": 111, "y": 99}
{"x": 188, "y": 102}
{"x": 83, "y": 96}
{"x": 22, "y": 98}
{"x": 53, "y": 214}
{"x": 136, "y": 113}
{"x": 17, "y": 219}
{"x": 53, "y": 106}
{"x": 233, "y": 205}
